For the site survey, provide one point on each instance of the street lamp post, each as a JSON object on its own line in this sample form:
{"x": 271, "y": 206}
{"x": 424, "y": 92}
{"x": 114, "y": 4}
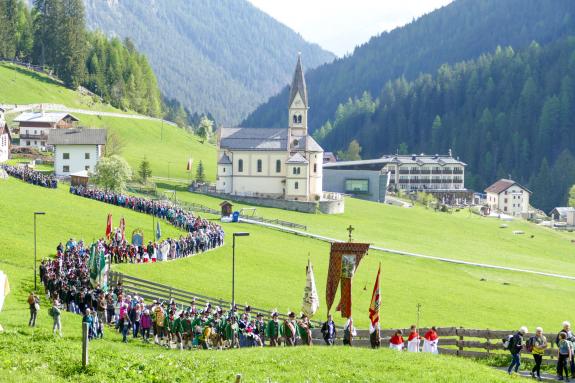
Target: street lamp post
{"x": 35, "y": 214}
{"x": 239, "y": 234}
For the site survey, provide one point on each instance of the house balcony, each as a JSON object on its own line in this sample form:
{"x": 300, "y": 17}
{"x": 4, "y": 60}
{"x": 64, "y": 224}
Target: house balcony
{"x": 436, "y": 172}
{"x": 426, "y": 172}
{"x": 26, "y": 136}
{"x": 457, "y": 171}
{"x": 401, "y": 171}
{"x": 445, "y": 171}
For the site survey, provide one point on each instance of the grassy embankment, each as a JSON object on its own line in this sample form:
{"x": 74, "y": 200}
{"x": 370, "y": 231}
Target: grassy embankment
{"x": 161, "y": 143}
{"x": 263, "y": 260}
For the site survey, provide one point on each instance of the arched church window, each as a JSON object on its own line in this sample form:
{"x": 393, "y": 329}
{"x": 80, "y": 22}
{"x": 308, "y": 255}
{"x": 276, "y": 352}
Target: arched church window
{"x": 299, "y": 119}
{"x": 294, "y": 119}
{"x": 297, "y": 185}
{"x": 240, "y": 166}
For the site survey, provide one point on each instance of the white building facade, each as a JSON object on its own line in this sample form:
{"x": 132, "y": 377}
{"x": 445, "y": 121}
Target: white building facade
{"x": 273, "y": 163}
{"x": 508, "y": 197}
{"x": 36, "y": 126}
{"x": 76, "y": 150}
{"x": 5, "y": 138}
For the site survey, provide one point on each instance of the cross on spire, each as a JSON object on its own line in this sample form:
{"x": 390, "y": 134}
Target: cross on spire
{"x": 350, "y": 229}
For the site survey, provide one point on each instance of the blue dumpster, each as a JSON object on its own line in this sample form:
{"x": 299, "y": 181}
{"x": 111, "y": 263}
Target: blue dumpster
{"x": 236, "y": 216}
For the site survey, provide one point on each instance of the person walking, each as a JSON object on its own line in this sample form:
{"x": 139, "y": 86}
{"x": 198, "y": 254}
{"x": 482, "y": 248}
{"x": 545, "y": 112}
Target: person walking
{"x": 34, "y": 303}
{"x": 125, "y": 325}
{"x": 570, "y": 338}
{"x": 515, "y": 347}
{"x": 537, "y": 344}
{"x": 273, "y": 331}
{"x": 87, "y": 318}
{"x": 430, "y": 341}
{"x": 396, "y": 342}
{"x": 564, "y": 354}
{"x": 289, "y": 330}
{"x": 349, "y": 332}
{"x": 55, "y": 314}
{"x": 145, "y": 325}
{"x": 413, "y": 340}
{"x": 329, "y": 331}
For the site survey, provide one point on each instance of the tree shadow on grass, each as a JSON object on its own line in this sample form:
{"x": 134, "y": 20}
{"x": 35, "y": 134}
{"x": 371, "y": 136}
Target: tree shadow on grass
{"x": 34, "y": 75}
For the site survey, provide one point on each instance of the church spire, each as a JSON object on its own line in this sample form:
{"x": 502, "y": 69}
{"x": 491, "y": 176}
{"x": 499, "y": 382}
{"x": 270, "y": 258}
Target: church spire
{"x": 298, "y": 83}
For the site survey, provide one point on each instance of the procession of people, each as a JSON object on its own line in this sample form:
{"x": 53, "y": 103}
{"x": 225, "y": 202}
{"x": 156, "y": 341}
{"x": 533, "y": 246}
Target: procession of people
{"x": 31, "y": 176}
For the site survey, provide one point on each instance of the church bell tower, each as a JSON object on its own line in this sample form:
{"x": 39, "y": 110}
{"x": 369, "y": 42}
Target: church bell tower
{"x": 298, "y": 105}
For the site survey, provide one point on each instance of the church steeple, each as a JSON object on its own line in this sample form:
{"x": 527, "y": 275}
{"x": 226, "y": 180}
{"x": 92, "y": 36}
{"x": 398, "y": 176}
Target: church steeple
{"x": 298, "y": 103}
{"x": 298, "y": 84}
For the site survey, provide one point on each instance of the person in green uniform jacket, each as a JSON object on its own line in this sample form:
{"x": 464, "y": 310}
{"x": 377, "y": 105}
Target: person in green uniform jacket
{"x": 187, "y": 330}
{"x": 177, "y": 329}
{"x": 231, "y": 332}
{"x": 289, "y": 330}
{"x": 304, "y": 330}
{"x": 168, "y": 321}
{"x": 273, "y": 331}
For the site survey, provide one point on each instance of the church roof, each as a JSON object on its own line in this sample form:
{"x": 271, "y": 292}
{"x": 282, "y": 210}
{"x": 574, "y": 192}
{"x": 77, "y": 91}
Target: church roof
{"x": 312, "y": 145}
{"x": 253, "y": 139}
{"x": 297, "y": 159}
{"x": 298, "y": 84}
{"x": 225, "y": 160}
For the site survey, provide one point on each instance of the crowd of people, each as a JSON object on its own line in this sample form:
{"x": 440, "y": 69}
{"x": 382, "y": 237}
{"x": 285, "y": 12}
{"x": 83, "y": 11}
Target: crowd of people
{"x": 31, "y": 176}
{"x": 162, "y": 209}
{"x": 537, "y": 344}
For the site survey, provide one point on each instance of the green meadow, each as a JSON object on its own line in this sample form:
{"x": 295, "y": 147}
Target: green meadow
{"x": 459, "y": 235}
{"x": 165, "y": 146}
{"x": 271, "y": 273}
{"x": 19, "y": 85}
{"x": 270, "y": 268}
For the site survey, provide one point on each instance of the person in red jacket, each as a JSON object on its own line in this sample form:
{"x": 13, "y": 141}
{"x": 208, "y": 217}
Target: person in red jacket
{"x": 430, "y": 341}
{"x": 413, "y": 340}
{"x": 396, "y": 342}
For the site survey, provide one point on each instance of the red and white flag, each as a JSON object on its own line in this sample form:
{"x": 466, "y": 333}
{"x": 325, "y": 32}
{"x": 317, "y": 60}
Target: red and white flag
{"x": 109, "y": 226}
{"x": 375, "y": 303}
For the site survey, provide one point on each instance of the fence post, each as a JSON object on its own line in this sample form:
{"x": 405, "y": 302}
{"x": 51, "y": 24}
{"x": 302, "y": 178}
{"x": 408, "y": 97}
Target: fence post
{"x": 84, "y": 344}
{"x": 460, "y": 346}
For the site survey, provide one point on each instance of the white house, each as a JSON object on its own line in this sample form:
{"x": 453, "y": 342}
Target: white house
{"x": 76, "y": 149}
{"x": 5, "y": 138}
{"x": 273, "y": 163}
{"x": 564, "y": 214}
{"x": 509, "y": 197}
{"x": 36, "y": 126}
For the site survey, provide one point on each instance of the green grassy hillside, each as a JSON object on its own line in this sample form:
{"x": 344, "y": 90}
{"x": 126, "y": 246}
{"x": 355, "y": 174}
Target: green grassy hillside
{"x": 21, "y": 86}
{"x": 166, "y": 147}
{"x": 161, "y": 143}
{"x": 271, "y": 268}
{"x": 270, "y": 273}
{"x": 461, "y": 235}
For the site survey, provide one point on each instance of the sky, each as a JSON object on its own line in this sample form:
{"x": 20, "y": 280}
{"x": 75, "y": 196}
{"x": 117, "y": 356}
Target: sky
{"x": 340, "y": 25}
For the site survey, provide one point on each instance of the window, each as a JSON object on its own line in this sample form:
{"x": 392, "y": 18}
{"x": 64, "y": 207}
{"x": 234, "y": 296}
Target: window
{"x": 65, "y": 169}
{"x": 86, "y": 168}
{"x": 357, "y": 186}
{"x": 505, "y": 208}
{"x": 294, "y": 119}
{"x": 65, "y": 156}
{"x": 299, "y": 119}
{"x": 240, "y": 166}
{"x": 278, "y": 166}
{"x": 315, "y": 168}
{"x": 297, "y": 170}
{"x": 224, "y": 169}
{"x": 259, "y": 166}
{"x": 296, "y": 185}
{"x": 86, "y": 156}
{"x": 505, "y": 200}
{"x": 27, "y": 143}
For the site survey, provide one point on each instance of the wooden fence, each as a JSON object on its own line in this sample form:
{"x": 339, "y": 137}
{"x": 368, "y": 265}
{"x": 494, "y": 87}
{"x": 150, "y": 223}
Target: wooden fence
{"x": 455, "y": 341}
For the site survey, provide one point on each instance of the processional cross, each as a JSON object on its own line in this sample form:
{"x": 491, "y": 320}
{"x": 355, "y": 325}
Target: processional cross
{"x": 350, "y": 229}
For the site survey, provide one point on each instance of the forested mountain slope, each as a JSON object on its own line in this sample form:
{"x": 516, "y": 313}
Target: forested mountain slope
{"x": 460, "y": 31}
{"x": 506, "y": 113}
{"x": 224, "y": 57}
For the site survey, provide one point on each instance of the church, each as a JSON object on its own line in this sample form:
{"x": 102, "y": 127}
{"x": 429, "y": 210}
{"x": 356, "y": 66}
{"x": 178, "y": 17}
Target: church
{"x": 281, "y": 163}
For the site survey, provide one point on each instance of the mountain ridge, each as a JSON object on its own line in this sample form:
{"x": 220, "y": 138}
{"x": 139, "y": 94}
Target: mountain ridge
{"x": 460, "y": 31}
{"x": 213, "y": 57}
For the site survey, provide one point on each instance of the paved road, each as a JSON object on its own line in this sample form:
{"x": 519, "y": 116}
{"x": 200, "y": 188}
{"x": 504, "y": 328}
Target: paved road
{"x": 527, "y": 374}
{"x": 62, "y": 108}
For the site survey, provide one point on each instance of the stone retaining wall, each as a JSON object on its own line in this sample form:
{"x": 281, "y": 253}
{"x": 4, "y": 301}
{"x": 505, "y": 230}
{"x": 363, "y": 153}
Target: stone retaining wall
{"x": 326, "y": 207}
